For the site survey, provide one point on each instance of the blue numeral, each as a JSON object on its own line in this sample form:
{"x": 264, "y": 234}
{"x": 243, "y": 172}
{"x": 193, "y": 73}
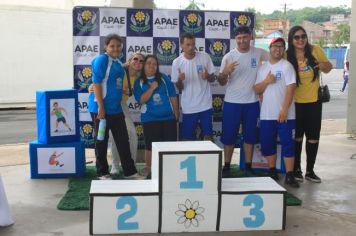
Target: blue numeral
{"x": 191, "y": 182}
{"x": 259, "y": 216}
{"x": 121, "y": 220}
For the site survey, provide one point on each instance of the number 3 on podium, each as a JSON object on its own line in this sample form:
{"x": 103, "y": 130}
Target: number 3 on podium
{"x": 258, "y": 216}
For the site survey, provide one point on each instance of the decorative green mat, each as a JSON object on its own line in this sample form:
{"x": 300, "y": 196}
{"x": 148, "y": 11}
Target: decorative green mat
{"x": 77, "y": 196}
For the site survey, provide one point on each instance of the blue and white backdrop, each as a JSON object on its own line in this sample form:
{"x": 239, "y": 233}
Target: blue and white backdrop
{"x": 150, "y": 32}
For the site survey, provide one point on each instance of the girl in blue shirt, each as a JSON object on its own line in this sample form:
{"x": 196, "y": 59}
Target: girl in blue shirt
{"x": 108, "y": 74}
{"x": 159, "y": 111}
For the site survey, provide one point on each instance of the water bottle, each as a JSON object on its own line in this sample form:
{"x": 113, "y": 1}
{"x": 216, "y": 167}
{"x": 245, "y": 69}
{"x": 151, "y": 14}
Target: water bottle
{"x": 101, "y": 129}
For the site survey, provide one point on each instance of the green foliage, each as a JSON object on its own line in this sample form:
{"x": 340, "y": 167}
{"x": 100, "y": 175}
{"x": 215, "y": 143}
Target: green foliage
{"x": 321, "y": 42}
{"x": 315, "y": 15}
{"x": 342, "y": 35}
{"x": 259, "y": 18}
{"x": 194, "y": 5}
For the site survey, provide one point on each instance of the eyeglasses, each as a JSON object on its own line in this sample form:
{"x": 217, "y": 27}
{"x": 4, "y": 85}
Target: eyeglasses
{"x": 137, "y": 59}
{"x": 277, "y": 46}
{"x": 298, "y": 37}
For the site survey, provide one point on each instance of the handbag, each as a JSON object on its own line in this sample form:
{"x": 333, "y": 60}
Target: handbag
{"x": 323, "y": 92}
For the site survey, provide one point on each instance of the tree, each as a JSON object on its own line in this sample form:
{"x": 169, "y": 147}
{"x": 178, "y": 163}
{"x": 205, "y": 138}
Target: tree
{"x": 258, "y": 20}
{"x": 194, "y": 5}
{"x": 321, "y": 42}
{"x": 342, "y": 35}
{"x": 315, "y": 15}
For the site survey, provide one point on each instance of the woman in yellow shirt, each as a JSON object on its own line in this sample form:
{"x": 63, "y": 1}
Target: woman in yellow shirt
{"x": 133, "y": 68}
{"x": 308, "y": 61}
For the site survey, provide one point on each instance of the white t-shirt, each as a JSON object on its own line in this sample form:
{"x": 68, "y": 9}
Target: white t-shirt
{"x": 196, "y": 95}
{"x": 274, "y": 94}
{"x": 240, "y": 83}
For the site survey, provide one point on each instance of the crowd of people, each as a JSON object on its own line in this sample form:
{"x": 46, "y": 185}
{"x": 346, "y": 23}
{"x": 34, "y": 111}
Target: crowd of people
{"x": 270, "y": 95}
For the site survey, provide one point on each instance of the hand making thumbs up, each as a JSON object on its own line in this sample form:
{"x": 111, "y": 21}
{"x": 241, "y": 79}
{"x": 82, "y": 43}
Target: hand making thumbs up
{"x": 204, "y": 74}
{"x": 270, "y": 78}
{"x": 181, "y": 76}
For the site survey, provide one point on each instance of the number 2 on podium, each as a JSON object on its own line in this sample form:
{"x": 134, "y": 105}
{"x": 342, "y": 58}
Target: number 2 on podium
{"x": 191, "y": 182}
{"x": 122, "y": 218}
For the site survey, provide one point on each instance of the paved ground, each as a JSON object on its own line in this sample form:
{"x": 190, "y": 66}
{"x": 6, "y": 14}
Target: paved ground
{"x": 328, "y": 208}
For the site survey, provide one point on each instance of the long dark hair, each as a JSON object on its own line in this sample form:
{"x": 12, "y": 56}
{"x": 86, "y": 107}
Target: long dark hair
{"x": 158, "y": 75}
{"x": 292, "y": 58}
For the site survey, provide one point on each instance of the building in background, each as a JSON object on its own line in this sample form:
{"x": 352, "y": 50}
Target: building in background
{"x": 314, "y": 31}
{"x": 275, "y": 27}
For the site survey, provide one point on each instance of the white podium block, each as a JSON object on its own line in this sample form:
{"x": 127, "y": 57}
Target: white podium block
{"x": 252, "y": 204}
{"x": 124, "y": 206}
{"x": 187, "y": 167}
{"x": 189, "y": 213}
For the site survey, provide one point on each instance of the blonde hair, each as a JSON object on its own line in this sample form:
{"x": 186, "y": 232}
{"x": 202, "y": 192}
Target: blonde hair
{"x": 127, "y": 63}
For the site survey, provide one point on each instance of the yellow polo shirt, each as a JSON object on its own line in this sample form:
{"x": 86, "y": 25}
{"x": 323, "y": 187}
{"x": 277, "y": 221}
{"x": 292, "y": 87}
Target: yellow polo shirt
{"x": 125, "y": 86}
{"x": 307, "y": 90}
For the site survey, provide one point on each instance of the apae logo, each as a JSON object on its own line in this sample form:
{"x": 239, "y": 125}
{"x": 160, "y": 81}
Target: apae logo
{"x": 140, "y": 22}
{"x": 217, "y": 50}
{"x": 145, "y": 49}
{"x": 86, "y": 49}
{"x": 166, "y": 23}
{"x": 215, "y": 22}
{"x": 242, "y": 20}
{"x": 217, "y": 103}
{"x": 139, "y": 130}
{"x": 83, "y": 105}
{"x": 86, "y": 21}
{"x": 84, "y": 77}
{"x": 166, "y": 51}
{"x": 113, "y": 20}
{"x": 192, "y": 23}
{"x": 278, "y": 75}
{"x": 86, "y": 133}
{"x": 110, "y": 21}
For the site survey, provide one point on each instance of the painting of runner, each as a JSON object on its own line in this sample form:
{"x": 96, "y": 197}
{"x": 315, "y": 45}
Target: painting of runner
{"x": 62, "y": 117}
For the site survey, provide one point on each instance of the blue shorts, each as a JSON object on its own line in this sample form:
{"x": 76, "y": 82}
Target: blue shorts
{"x": 236, "y": 113}
{"x": 269, "y": 129}
{"x": 190, "y": 123}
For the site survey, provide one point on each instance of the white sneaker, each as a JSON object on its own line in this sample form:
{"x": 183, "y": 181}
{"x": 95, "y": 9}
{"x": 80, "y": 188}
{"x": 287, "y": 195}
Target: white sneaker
{"x": 135, "y": 176}
{"x": 105, "y": 177}
{"x": 114, "y": 170}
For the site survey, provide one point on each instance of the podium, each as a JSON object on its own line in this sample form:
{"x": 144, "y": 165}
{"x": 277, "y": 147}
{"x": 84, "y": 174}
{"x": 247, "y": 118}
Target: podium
{"x": 186, "y": 194}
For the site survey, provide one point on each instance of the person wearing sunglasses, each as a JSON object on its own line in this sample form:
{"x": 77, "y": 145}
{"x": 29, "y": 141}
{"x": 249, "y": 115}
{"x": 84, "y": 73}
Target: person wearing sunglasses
{"x": 133, "y": 68}
{"x": 308, "y": 61}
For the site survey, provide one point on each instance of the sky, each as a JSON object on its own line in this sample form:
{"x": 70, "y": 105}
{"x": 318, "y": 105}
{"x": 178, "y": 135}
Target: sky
{"x": 263, "y": 6}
